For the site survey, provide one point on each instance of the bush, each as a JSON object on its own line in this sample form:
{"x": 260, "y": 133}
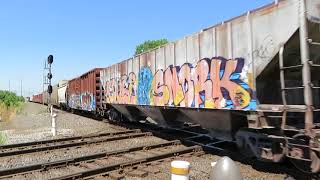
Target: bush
{"x": 10, "y": 99}
{"x": 150, "y": 44}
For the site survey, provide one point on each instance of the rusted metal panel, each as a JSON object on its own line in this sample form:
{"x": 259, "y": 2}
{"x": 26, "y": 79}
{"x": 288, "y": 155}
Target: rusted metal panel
{"x": 37, "y": 98}
{"x": 84, "y": 92}
{"x": 74, "y": 93}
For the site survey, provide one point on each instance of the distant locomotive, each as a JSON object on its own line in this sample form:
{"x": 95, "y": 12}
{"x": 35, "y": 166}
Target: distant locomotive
{"x": 253, "y": 79}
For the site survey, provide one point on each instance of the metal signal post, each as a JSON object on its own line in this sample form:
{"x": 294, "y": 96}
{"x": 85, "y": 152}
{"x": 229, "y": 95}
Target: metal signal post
{"x": 47, "y": 80}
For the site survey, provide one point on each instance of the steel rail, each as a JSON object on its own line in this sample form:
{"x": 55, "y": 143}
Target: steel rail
{"x": 64, "y": 163}
{"x": 212, "y": 146}
{"x": 112, "y": 167}
{"x": 21, "y": 145}
{"x": 72, "y": 144}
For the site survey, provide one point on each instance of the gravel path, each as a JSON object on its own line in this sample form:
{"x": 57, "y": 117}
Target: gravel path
{"x": 34, "y": 123}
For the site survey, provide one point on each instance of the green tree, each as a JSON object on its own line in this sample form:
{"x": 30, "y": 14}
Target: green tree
{"x": 150, "y": 44}
{"x": 10, "y": 99}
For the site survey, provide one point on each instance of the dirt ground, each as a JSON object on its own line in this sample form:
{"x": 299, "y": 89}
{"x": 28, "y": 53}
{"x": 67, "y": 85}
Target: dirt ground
{"x": 34, "y": 123}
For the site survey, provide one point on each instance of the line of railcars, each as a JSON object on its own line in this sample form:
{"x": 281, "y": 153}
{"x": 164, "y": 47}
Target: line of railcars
{"x": 253, "y": 79}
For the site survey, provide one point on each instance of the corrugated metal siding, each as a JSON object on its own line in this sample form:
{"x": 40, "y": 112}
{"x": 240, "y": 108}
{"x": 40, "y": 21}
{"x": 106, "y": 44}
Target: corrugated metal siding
{"x": 84, "y": 92}
{"x": 37, "y": 98}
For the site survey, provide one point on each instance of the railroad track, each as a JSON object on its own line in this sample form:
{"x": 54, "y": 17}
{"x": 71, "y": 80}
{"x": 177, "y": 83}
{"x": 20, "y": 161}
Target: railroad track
{"x": 46, "y": 145}
{"x": 194, "y": 135}
{"x": 101, "y": 164}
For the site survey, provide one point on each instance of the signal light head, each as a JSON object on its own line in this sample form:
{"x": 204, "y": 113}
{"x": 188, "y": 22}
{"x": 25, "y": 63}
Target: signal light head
{"x": 50, "y": 59}
{"x": 50, "y": 89}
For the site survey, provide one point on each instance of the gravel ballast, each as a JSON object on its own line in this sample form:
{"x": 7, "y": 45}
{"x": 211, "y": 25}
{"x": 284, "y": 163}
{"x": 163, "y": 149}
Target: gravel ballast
{"x": 34, "y": 123}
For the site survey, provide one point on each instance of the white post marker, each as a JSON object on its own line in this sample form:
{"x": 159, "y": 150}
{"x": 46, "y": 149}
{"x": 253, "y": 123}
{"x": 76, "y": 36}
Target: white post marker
{"x": 53, "y": 123}
{"x": 180, "y": 170}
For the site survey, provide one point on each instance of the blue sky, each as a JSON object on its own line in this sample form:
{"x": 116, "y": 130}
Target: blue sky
{"x": 83, "y": 34}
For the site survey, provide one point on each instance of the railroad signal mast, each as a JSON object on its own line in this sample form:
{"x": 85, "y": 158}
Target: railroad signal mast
{"x": 47, "y": 80}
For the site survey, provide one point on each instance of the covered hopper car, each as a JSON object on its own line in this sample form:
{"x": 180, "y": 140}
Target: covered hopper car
{"x": 254, "y": 80}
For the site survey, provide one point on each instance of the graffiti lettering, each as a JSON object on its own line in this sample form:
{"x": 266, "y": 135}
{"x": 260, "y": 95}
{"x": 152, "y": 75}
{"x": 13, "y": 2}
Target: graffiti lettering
{"x": 85, "y": 101}
{"x": 210, "y": 83}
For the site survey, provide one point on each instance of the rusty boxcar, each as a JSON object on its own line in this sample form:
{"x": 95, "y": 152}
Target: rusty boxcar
{"x": 84, "y": 92}
{"x": 38, "y": 98}
{"x": 253, "y": 79}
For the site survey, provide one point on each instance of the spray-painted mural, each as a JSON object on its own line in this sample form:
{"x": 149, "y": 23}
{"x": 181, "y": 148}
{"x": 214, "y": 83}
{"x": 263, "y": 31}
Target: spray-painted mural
{"x": 74, "y": 101}
{"x": 88, "y": 102}
{"x": 85, "y": 101}
{"x": 215, "y": 83}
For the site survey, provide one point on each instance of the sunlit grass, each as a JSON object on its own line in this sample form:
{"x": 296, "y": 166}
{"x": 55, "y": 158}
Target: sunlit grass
{"x": 3, "y": 138}
{"x": 8, "y": 113}
{"x": 10, "y": 105}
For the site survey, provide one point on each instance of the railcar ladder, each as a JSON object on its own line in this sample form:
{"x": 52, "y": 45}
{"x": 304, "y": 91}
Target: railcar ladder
{"x": 293, "y": 108}
{"x": 287, "y": 108}
{"x": 312, "y": 64}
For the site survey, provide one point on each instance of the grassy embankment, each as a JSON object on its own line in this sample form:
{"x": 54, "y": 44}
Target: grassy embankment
{"x": 10, "y": 105}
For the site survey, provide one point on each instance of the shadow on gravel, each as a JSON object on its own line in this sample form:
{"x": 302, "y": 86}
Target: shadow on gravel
{"x": 223, "y": 149}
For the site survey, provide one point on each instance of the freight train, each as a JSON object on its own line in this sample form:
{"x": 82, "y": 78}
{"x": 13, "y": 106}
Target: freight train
{"x": 253, "y": 80}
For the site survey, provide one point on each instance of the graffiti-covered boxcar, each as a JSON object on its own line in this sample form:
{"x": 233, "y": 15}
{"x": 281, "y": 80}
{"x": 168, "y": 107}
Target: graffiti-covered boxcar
{"x": 84, "y": 93}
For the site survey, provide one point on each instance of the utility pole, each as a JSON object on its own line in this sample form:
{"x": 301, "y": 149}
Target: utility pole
{"x": 9, "y": 86}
